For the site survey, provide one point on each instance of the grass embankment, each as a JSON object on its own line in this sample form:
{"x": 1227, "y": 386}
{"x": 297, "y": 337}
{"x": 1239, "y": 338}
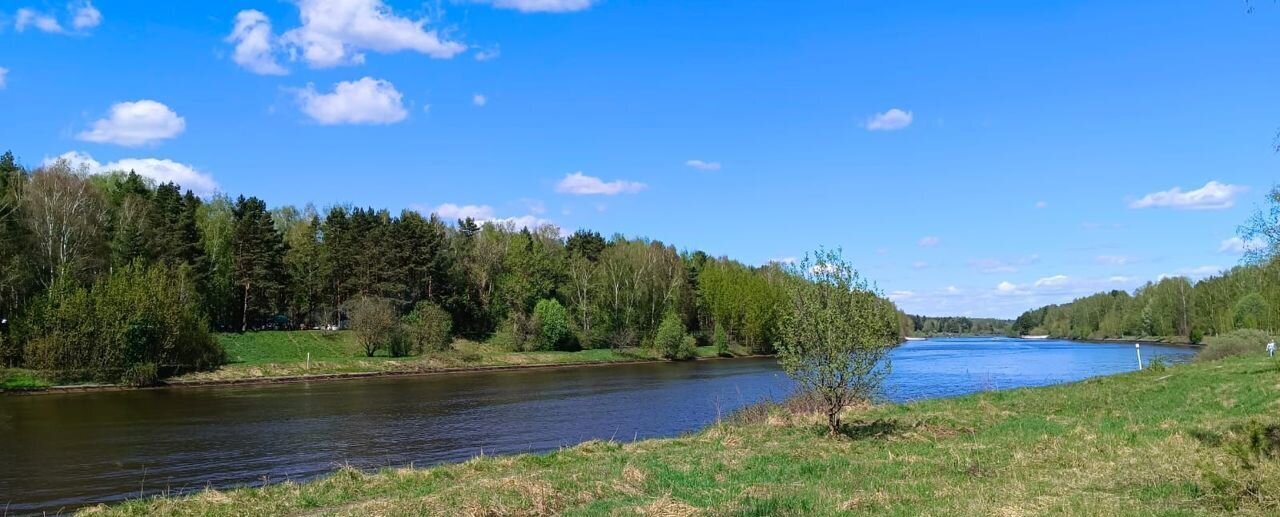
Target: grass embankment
{"x": 1169, "y": 442}
{"x": 284, "y": 354}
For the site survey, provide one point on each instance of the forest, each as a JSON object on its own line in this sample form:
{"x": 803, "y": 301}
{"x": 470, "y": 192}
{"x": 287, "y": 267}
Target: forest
{"x": 924, "y": 326}
{"x": 113, "y": 277}
{"x": 1175, "y": 308}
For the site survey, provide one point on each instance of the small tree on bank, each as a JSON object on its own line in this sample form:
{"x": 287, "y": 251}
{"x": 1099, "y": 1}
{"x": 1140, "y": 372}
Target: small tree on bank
{"x": 835, "y": 331}
{"x": 374, "y": 322}
{"x": 429, "y": 327}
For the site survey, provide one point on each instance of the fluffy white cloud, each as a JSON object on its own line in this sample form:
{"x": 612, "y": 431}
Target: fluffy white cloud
{"x": 4, "y": 77}
{"x": 485, "y": 214}
{"x": 255, "y": 43}
{"x": 541, "y": 6}
{"x": 891, "y": 120}
{"x": 84, "y": 15}
{"x": 135, "y": 123}
{"x": 1006, "y": 287}
{"x": 364, "y": 101}
{"x": 479, "y": 100}
{"x": 703, "y": 165}
{"x": 1212, "y": 196}
{"x": 27, "y": 17}
{"x": 929, "y": 241}
{"x": 580, "y": 184}
{"x": 334, "y": 33}
{"x": 160, "y": 170}
{"x": 337, "y": 32}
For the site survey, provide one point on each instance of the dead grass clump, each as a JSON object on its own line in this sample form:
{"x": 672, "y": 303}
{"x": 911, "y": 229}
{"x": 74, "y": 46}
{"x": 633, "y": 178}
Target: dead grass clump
{"x": 666, "y": 506}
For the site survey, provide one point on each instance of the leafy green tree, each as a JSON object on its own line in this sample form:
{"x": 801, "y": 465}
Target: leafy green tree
{"x": 375, "y": 323}
{"x": 552, "y": 322}
{"x": 430, "y": 327}
{"x": 836, "y": 332}
{"x": 721, "y": 342}
{"x": 671, "y": 340}
{"x": 1253, "y": 312}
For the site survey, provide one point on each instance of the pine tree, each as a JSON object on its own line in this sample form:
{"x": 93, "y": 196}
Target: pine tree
{"x": 258, "y": 257}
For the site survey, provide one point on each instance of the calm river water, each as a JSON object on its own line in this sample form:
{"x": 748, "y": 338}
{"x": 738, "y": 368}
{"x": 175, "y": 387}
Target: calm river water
{"x": 59, "y": 452}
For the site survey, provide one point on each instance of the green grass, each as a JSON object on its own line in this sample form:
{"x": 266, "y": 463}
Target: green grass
{"x": 16, "y": 379}
{"x": 268, "y": 354}
{"x": 1148, "y": 443}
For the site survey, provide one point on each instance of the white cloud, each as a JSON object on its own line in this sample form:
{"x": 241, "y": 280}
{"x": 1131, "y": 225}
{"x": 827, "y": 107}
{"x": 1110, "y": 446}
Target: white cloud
{"x": 1212, "y": 196}
{"x": 1239, "y": 246}
{"x": 901, "y": 295}
{"x": 450, "y": 211}
{"x": 1120, "y": 279}
{"x": 1114, "y": 260}
{"x": 891, "y": 120}
{"x": 488, "y": 54}
{"x": 4, "y": 77}
{"x": 84, "y": 15}
{"x": 1042, "y": 204}
{"x": 364, "y": 101}
{"x": 337, "y": 32}
{"x": 1006, "y": 287}
{"x": 951, "y": 289}
{"x": 485, "y": 214}
{"x": 160, "y": 170}
{"x": 27, "y": 17}
{"x": 135, "y": 123}
{"x": 580, "y": 184}
{"x": 255, "y": 44}
{"x": 929, "y": 241}
{"x": 1052, "y": 281}
{"x": 479, "y": 100}
{"x": 541, "y": 6}
{"x": 703, "y": 166}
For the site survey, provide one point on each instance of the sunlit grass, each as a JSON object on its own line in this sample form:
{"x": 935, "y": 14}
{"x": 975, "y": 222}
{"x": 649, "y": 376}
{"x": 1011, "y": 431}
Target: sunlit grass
{"x": 17, "y": 379}
{"x": 1146, "y": 443}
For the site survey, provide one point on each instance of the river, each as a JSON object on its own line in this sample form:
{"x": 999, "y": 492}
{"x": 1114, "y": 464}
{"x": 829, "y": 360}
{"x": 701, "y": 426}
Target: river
{"x": 63, "y": 451}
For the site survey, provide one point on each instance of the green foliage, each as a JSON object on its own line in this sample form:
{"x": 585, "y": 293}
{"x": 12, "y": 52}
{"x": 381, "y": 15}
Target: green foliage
{"x": 135, "y": 315}
{"x": 429, "y": 327}
{"x": 552, "y": 322}
{"x": 376, "y": 325}
{"x": 835, "y": 333}
{"x": 672, "y": 342}
{"x": 721, "y": 341}
{"x": 745, "y": 302}
{"x": 1252, "y": 312}
{"x": 141, "y": 375}
{"x": 1238, "y": 342}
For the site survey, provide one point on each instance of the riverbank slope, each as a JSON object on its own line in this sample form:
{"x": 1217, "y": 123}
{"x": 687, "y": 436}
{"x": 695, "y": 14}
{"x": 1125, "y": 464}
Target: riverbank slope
{"x": 1191, "y": 439}
{"x": 282, "y": 356}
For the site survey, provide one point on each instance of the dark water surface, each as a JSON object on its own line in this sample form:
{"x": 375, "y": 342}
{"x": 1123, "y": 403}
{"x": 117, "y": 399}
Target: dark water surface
{"x": 59, "y": 452}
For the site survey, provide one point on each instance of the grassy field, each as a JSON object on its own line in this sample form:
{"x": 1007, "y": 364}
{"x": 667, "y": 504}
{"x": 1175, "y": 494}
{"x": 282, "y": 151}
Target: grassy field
{"x": 283, "y": 354}
{"x": 1194, "y": 439}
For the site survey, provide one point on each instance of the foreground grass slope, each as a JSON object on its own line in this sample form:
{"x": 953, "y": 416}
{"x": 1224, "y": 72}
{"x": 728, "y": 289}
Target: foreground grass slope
{"x": 1171, "y": 442}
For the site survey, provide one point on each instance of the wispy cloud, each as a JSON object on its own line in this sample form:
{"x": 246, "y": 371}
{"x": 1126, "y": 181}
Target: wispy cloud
{"x": 1212, "y": 196}
{"x": 703, "y": 166}
{"x": 929, "y": 241}
{"x": 1239, "y": 246}
{"x": 580, "y": 184}
{"x": 541, "y": 6}
{"x": 992, "y": 265}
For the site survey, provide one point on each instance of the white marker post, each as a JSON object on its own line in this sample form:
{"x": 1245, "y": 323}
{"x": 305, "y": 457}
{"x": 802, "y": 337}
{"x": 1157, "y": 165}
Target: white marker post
{"x": 1138, "y": 348}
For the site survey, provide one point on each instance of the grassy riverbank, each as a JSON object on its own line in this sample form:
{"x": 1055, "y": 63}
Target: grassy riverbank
{"x": 283, "y": 354}
{"x": 1168, "y": 442}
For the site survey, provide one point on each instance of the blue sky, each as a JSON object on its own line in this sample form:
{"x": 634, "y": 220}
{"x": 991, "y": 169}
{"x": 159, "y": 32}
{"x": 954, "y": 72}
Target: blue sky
{"x": 974, "y": 158}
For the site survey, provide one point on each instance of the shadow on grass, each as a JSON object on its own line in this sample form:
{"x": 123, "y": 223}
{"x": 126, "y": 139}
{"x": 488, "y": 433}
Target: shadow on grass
{"x": 879, "y": 428}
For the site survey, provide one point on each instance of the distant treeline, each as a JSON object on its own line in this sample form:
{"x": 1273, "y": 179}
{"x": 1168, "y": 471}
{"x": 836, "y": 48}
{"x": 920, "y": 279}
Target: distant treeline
{"x": 1246, "y": 297}
{"x": 73, "y": 246}
{"x": 913, "y": 325}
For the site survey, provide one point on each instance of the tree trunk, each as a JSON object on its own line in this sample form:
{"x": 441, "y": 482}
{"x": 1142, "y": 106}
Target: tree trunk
{"x": 244, "y": 312}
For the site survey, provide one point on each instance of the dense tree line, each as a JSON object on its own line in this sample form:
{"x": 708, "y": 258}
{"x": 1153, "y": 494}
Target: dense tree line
{"x": 245, "y": 266}
{"x": 915, "y": 325}
{"x": 1245, "y": 297}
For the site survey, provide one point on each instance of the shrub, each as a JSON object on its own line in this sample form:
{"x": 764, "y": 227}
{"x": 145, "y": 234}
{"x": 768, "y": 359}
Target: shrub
{"x": 517, "y": 333}
{"x": 141, "y": 375}
{"x": 429, "y": 327}
{"x": 133, "y": 316}
{"x": 1252, "y": 312}
{"x": 374, "y": 322}
{"x": 1236, "y": 342}
{"x": 670, "y": 341}
{"x": 721, "y": 342}
{"x": 552, "y": 322}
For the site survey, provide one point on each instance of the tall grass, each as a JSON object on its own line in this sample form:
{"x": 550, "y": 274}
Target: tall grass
{"x": 1236, "y": 342}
